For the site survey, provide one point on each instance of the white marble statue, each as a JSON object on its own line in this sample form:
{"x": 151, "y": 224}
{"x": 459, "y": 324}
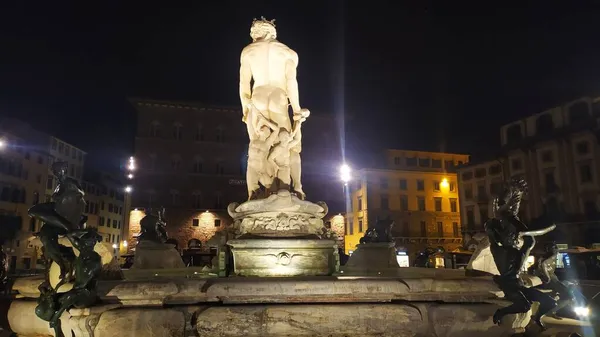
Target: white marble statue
{"x": 272, "y": 65}
{"x": 258, "y": 151}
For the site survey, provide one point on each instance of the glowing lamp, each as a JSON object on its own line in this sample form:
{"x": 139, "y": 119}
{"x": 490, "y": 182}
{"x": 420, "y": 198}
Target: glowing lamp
{"x": 128, "y": 189}
{"x": 345, "y": 173}
{"x": 114, "y": 245}
{"x": 444, "y": 183}
{"x": 2, "y": 144}
{"x": 124, "y": 243}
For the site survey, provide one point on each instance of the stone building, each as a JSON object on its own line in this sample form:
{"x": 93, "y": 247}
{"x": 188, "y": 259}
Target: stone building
{"x": 418, "y": 190}
{"x": 191, "y": 159}
{"x": 108, "y": 207}
{"x": 557, "y": 152}
{"x": 26, "y": 157}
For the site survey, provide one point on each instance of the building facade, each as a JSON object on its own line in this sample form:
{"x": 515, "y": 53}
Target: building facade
{"x": 418, "y": 190}
{"x": 557, "y": 153}
{"x": 191, "y": 159}
{"x": 108, "y": 208}
{"x": 26, "y": 157}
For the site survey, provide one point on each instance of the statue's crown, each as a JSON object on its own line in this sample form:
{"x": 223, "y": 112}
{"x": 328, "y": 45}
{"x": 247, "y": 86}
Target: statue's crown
{"x": 263, "y": 20}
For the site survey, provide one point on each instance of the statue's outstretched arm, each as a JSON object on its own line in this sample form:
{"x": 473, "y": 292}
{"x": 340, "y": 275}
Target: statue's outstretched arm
{"x": 292, "y": 82}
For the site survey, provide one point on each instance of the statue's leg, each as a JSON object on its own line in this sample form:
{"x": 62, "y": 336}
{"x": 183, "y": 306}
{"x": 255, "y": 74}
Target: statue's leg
{"x": 295, "y": 172}
{"x": 547, "y": 303}
{"x": 52, "y": 251}
{"x": 512, "y": 292}
{"x": 277, "y": 106}
{"x": 251, "y": 181}
{"x": 283, "y": 175}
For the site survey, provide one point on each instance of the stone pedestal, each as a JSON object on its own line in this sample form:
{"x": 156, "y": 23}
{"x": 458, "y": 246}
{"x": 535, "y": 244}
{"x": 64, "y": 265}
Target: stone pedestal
{"x": 373, "y": 258}
{"x": 282, "y": 236}
{"x": 284, "y": 257}
{"x": 152, "y": 255}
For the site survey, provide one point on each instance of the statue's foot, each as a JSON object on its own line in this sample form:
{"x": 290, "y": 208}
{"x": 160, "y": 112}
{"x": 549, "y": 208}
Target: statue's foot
{"x": 497, "y": 318}
{"x": 538, "y": 321}
{"x": 300, "y": 194}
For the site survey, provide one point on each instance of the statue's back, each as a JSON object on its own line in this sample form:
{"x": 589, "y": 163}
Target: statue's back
{"x": 268, "y": 61}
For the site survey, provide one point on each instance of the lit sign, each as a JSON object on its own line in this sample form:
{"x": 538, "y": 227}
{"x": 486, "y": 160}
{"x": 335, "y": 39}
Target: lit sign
{"x": 237, "y": 182}
{"x": 402, "y": 259}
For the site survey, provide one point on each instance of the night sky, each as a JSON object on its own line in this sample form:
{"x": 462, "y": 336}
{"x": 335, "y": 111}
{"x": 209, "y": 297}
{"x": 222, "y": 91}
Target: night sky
{"x": 439, "y": 76}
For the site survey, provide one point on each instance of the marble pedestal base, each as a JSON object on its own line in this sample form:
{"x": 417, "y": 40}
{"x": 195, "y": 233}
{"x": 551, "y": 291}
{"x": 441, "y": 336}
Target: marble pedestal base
{"x": 284, "y": 257}
{"x": 373, "y": 258}
{"x": 152, "y": 255}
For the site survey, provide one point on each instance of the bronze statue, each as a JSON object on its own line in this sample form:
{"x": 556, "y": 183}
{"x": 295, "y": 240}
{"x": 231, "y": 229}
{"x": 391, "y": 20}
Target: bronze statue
{"x": 380, "y": 233}
{"x": 63, "y": 217}
{"x": 510, "y": 244}
{"x": 544, "y": 269}
{"x": 153, "y": 228}
{"x": 60, "y": 216}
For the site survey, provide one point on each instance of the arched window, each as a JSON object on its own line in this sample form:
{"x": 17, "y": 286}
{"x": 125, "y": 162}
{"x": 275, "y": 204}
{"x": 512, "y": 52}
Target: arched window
{"x": 579, "y": 112}
{"x": 544, "y": 124}
{"x": 197, "y": 200}
{"x": 177, "y": 131}
{"x": 176, "y": 162}
{"x": 220, "y": 135}
{"x": 174, "y": 197}
{"x": 155, "y": 129}
{"x": 197, "y": 166}
{"x": 199, "y": 134}
{"x": 513, "y": 134}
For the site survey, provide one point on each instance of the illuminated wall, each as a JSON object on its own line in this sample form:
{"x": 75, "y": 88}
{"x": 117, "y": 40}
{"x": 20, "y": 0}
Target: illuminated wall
{"x": 183, "y": 226}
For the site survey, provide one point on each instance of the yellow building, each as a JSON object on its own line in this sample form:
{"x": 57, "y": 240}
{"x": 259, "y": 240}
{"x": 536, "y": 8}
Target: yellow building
{"x": 418, "y": 190}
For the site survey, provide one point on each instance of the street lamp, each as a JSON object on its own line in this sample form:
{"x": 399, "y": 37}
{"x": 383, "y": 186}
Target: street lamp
{"x": 130, "y": 176}
{"x": 2, "y": 144}
{"x": 444, "y": 183}
{"x": 125, "y": 243}
{"x": 131, "y": 165}
{"x": 345, "y": 173}
{"x": 128, "y": 189}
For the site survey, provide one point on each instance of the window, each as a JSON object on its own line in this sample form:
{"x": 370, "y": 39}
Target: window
{"x": 219, "y": 135}
{"x": 547, "y": 156}
{"x": 177, "y": 134}
{"x": 424, "y": 162}
{"x": 421, "y": 203}
{"x": 360, "y": 204}
{"x": 480, "y": 173}
{"x": 61, "y": 147}
{"x": 50, "y": 183}
{"x": 440, "y": 228}
{"x": 453, "y": 205}
{"x": 411, "y": 162}
{"x": 544, "y": 124}
{"x": 496, "y": 188}
{"x": 483, "y": 214}
{"x": 582, "y": 147}
{"x": 199, "y": 134}
{"x": 32, "y": 224}
{"x": 585, "y": 173}
{"x": 481, "y": 192}
{"x": 467, "y": 176}
{"x": 197, "y": 168}
{"x": 383, "y": 183}
{"x": 110, "y": 208}
{"x": 53, "y": 143}
{"x": 217, "y": 222}
{"x": 351, "y": 227}
{"x": 114, "y": 224}
{"x": 516, "y": 164}
{"x": 513, "y": 134}
{"x": 403, "y": 184}
{"x": 360, "y": 225}
{"x": 449, "y": 164}
{"x": 436, "y": 186}
{"x": 470, "y": 216}
{"x": 404, "y": 203}
{"x": 452, "y": 187}
{"x": 438, "y": 204}
{"x": 549, "y": 179}
{"x": 385, "y": 202}
{"x": 174, "y": 197}
{"x": 67, "y": 150}
{"x": 218, "y": 201}
{"x": 420, "y": 185}
{"x": 155, "y": 129}
{"x": 495, "y": 169}
{"x": 220, "y": 169}
{"x": 423, "y": 228}
{"x": 579, "y": 112}
{"x": 436, "y": 163}
{"x": 175, "y": 162}
{"x": 36, "y": 198}
{"x": 469, "y": 192}
{"x": 455, "y": 229}
{"x": 195, "y": 222}
{"x": 396, "y": 160}
{"x": 197, "y": 200}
